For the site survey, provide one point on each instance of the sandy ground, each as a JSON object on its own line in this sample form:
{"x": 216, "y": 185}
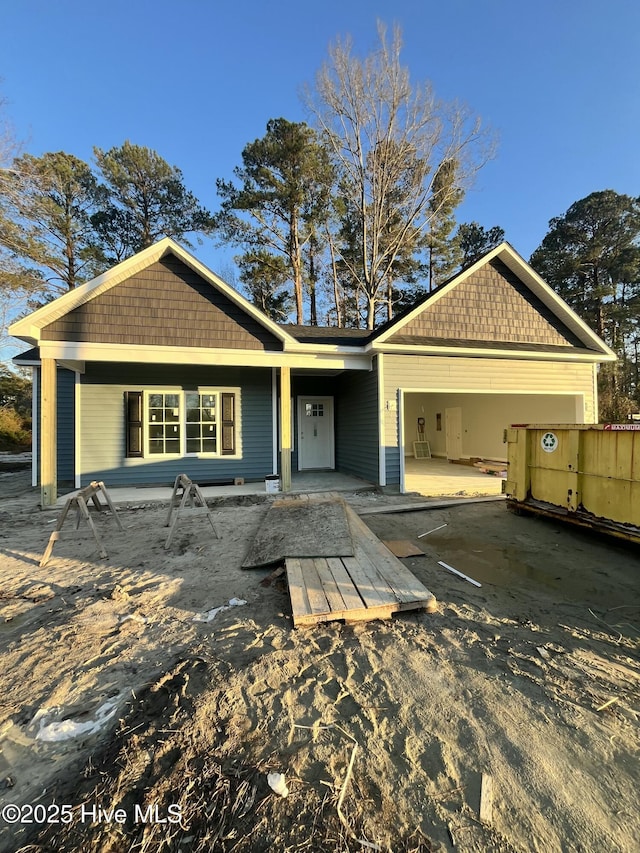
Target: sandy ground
{"x": 125, "y": 724}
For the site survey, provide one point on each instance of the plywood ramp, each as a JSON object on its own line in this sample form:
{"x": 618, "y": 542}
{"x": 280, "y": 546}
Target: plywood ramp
{"x": 372, "y": 584}
{"x": 301, "y": 526}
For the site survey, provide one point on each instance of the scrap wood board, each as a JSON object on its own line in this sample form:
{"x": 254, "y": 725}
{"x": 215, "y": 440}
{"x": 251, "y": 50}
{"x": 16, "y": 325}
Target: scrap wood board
{"x": 301, "y": 527}
{"x": 372, "y": 584}
{"x": 419, "y": 506}
{"x": 403, "y": 548}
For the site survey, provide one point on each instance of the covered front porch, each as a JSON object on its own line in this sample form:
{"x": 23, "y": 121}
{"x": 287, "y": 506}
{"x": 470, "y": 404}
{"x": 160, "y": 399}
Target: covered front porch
{"x": 333, "y": 420}
{"x": 275, "y": 409}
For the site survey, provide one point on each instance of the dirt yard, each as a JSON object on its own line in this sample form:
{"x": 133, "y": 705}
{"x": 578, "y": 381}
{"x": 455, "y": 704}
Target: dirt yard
{"x": 136, "y": 717}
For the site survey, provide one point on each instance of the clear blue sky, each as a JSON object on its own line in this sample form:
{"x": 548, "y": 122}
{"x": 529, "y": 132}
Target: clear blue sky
{"x": 196, "y": 80}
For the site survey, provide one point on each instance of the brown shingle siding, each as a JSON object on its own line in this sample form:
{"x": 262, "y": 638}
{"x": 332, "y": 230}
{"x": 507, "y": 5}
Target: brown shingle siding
{"x": 166, "y": 304}
{"x": 490, "y": 305}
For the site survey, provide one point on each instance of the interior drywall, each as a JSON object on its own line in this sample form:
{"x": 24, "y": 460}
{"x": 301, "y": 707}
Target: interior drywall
{"x": 484, "y": 418}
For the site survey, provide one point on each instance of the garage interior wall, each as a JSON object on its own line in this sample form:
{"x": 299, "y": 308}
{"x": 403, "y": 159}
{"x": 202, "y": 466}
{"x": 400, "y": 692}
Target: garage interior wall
{"x": 484, "y": 418}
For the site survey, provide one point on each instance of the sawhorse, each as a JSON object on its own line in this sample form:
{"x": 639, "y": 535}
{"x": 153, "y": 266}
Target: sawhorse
{"x": 80, "y": 501}
{"x": 192, "y": 500}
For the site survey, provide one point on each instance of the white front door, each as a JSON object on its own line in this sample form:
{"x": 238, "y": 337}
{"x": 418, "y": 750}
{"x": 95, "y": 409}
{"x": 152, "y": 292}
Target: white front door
{"x": 453, "y": 434}
{"x": 315, "y": 433}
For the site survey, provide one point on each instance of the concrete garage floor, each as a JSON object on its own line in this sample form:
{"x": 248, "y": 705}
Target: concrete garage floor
{"x": 438, "y": 477}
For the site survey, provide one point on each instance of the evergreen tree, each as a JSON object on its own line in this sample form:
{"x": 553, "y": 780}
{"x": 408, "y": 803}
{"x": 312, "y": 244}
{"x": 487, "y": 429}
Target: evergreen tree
{"x": 265, "y": 276}
{"x": 143, "y": 199}
{"x": 46, "y": 204}
{"x": 443, "y": 251}
{"x": 15, "y": 392}
{"x": 282, "y": 194}
{"x": 591, "y": 256}
{"x": 474, "y": 241}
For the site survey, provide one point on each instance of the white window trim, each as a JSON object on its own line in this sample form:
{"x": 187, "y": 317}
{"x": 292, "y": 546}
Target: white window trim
{"x": 218, "y": 390}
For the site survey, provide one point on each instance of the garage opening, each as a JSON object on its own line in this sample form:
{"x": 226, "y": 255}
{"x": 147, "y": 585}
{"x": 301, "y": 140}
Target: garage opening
{"x": 462, "y": 427}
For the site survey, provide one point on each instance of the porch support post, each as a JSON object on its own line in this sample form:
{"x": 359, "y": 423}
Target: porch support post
{"x": 48, "y": 433}
{"x": 285, "y": 428}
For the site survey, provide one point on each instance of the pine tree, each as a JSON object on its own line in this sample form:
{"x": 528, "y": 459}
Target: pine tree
{"x": 281, "y": 195}
{"x": 46, "y": 204}
{"x": 143, "y": 199}
{"x": 591, "y": 256}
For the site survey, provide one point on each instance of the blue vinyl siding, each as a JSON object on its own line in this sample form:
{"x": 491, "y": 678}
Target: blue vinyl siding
{"x": 103, "y": 423}
{"x": 65, "y": 451}
{"x": 66, "y": 426}
{"x": 392, "y": 465}
{"x": 357, "y": 424}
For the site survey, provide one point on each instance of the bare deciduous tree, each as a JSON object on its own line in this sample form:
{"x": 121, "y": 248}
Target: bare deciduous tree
{"x": 391, "y": 141}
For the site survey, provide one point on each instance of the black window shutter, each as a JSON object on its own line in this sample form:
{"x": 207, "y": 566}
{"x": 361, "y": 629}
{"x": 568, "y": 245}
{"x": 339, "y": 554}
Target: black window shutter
{"x": 133, "y": 409}
{"x": 228, "y": 424}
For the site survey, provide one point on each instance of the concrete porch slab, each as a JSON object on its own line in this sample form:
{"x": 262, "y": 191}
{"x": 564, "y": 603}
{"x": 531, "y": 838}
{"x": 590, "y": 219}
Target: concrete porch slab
{"x": 301, "y": 482}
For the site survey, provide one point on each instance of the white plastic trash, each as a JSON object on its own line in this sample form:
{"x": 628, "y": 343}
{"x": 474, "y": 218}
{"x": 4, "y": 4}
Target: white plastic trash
{"x": 278, "y": 784}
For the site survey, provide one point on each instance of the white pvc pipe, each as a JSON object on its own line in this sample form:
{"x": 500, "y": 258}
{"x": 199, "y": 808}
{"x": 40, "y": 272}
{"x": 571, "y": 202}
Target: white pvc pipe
{"x": 460, "y": 574}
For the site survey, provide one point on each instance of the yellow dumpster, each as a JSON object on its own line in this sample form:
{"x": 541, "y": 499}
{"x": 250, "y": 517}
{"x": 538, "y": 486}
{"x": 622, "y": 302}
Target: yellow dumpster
{"x": 588, "y": 474}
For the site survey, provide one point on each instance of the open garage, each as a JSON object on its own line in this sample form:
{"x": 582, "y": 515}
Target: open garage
{"x": 460, "y": 427}
{"x": 464, "y": 425}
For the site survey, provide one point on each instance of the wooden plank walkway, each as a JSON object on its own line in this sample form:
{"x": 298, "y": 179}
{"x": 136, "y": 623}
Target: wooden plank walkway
{"x": 373, "y": 584}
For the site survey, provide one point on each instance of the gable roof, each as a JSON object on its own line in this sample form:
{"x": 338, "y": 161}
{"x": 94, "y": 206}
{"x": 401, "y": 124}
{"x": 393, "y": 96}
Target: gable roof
{"x": 497, "y": 306}
{"x": 499, "y": 302}
{"x": 31, "y": 328}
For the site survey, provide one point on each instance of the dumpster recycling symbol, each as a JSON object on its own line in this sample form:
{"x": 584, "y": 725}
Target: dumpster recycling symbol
{"x": 549, "y": 442}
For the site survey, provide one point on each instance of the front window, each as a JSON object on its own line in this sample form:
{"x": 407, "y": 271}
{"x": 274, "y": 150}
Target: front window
{"x": 164, "y": 423}
{"x": 201, "y": 423}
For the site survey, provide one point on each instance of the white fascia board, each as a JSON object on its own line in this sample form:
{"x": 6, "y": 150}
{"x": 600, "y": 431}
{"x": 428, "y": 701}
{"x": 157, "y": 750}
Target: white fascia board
{"x": 77, "y": 366}
{"x": 28, "y": 328}
{"x": 477, "y": 352}
{"x": 26, "y": 333}
{"x": 27, "y": 362}
{"x": 124, "y": 353}
{"x": 324, "y": 348}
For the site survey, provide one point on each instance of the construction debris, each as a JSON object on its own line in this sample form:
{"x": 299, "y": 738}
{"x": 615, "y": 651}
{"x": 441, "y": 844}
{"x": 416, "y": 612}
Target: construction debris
{"x": 278, "y": 784}
{"x": 486, "y": 798}
{"x": 420, "y": 506}
{"x": 372, "y": 584}
{"x": 431, "y": 531}
{"x": 460, "y": 574}
{"x": 495, "y": 467}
